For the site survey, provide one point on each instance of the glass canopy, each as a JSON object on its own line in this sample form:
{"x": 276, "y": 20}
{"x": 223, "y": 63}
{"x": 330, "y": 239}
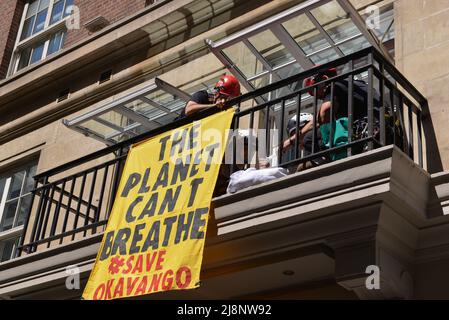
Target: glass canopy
{"x": 310, "y": 33}
{"x": 155, "y": 105}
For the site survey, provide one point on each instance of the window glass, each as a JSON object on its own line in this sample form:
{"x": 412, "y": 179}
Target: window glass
{"x": 22, "y": 212}
{"x": 7, "y": 248}
{"x": 40, "y": 21}
{"x": 16, "y": 185}
{"x": 24, "y": 58}
{"x": 27, "y": 28}
{"x": 55, "y": 43}
{"x": 32, "y": 8}
{"x": 8, "y": 215}
{"x": 56, "y": 13}
{"x": 68, "y": 8}
{"x": 37, "y": 53}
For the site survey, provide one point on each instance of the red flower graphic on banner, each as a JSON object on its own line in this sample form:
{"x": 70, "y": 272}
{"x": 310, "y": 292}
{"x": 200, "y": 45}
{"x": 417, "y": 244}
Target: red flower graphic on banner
{"x": 116, "y": 263}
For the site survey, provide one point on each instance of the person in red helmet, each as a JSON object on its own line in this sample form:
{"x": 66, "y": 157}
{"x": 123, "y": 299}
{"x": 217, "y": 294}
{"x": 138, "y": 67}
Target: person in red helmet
{"x": 227, "y": 87}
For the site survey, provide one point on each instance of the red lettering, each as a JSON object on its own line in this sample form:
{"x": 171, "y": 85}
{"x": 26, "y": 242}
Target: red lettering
{"x": 160, "y": 260}
{"x": 141, "y": 289}
{"x": 155, "y": 282}
{"x": 150, "y": 259}
{"x": 138, "y": 265}
{"x": 131, "y": 284}
{"x": 167, "y": 283}
{"x": 96, "y": 293}
{"x": 129, "y": 265}
{"x": 108, "y": 289}
{"x": 188, "y": 277}
{"x": 118, "y": 292}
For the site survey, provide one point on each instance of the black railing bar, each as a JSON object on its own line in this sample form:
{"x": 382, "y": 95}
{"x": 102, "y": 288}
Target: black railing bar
{"x": 58, "y": 208}
{"x": 69, "y": 205}
{"x": 410, "y": 133}
{"x": 328, "y": 151}
{"x": 391, "y": 85}
{"x": 65, "y": 234}
{"x": 100, "y": 200}
{"x": 305, "y": 74}
{"x": 350, "y": 105}
{"x": 27, "y": 221}
{"x": 37, "y": 217}
{"x": 382, "y": 106}
{"x": 292, "y": 95}
{"x": 281, "y": 134}
{"x": 315, "y": 118}
{"x": 82, "y": 172}
{"x": 78, "y": 207}
{"x": 115, "y": 181}
{"x": 420, "y": 149}
{"x": 91, "y": 196}
{"x": 297, "y": 132}
{"x": 66, "y": 193}
{"x": 370, "y": 102}
{"x": 403, "y": 81}
{"x": 72, "y": 210}
{"x": 331, "y": 133}
{"x": 42, "y": 212}
{"x": 47, "y": 214}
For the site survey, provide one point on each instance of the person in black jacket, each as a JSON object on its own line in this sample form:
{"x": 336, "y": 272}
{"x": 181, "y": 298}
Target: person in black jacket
{"x": 227, "y": 87}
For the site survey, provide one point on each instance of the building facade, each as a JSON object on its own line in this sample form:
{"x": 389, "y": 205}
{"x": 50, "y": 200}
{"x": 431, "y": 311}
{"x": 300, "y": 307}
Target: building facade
{"x": 82, "y": 80}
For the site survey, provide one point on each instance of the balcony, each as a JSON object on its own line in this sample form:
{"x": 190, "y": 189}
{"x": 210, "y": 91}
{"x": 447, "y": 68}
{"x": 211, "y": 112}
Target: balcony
{"x": 332, "y": 220}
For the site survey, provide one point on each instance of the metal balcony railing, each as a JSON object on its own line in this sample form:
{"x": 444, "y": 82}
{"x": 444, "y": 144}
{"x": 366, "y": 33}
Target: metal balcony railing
{"x": 73, "y": 201}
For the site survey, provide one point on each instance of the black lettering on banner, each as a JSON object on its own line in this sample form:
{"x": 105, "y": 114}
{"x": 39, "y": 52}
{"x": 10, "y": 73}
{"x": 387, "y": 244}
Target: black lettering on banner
{"x": 163, "y": 143}
{"x": 150, "y": 206}
{"x": 180, "y": 170}
{"x": 152, "y": 239}
{"x": 183, "y": 228}
{"x": 210, "y": 151}
{"x": 133, "y": 180}
{"x": 193, "y": 134}
{"x": 162, "y": 178}
{"x": 198, "y": 222}
{"x": 129, "y": 217}
{"x": 196, "y": 162}
{"x": 143, "y": 187}
{"x": 195, "y": 183}
{"x": 120, "y": 241}
{"x": 136, "y": 238}
{"x": 107, "y": 245}
{"x": 178, "y": 141}
{"x": 169, "y": 200}
{"x": 168, "y": 222}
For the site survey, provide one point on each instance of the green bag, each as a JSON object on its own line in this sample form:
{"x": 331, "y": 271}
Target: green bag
{"x": 340, "y": 137}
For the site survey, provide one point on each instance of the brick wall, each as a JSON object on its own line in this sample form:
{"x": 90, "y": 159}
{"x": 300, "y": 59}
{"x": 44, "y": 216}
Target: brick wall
{"x": 10, "y": 15}
{"x": 112, "y": 10}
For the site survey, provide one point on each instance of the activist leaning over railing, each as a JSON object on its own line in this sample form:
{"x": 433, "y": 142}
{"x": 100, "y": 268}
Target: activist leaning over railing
{"x": 227, "y": 87}
{"x": 338, "y": 104}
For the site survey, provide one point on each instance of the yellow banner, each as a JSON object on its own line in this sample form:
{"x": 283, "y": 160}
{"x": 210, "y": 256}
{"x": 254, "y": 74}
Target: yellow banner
{"x": 155, "y": 236}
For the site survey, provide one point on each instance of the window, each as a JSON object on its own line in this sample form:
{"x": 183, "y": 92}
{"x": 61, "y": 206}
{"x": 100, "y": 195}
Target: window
{"x": 41, "y": 33}
{"x": 15, "y": 201}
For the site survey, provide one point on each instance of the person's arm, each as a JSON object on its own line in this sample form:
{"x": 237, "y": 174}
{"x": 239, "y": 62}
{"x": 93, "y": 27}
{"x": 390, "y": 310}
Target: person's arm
{"x": 290, "y": 141}
{"x": 193, "y": 106}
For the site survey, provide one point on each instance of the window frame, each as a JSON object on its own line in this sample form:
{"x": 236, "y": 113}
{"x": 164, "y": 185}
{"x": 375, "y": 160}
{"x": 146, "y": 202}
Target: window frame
{"x": 45, "y": 35}
{"x": 15, "y": 232}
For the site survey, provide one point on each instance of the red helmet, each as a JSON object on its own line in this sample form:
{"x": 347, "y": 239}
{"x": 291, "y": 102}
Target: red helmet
{"x": 228, "y": 85}
{"x": 329, "y": 73}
